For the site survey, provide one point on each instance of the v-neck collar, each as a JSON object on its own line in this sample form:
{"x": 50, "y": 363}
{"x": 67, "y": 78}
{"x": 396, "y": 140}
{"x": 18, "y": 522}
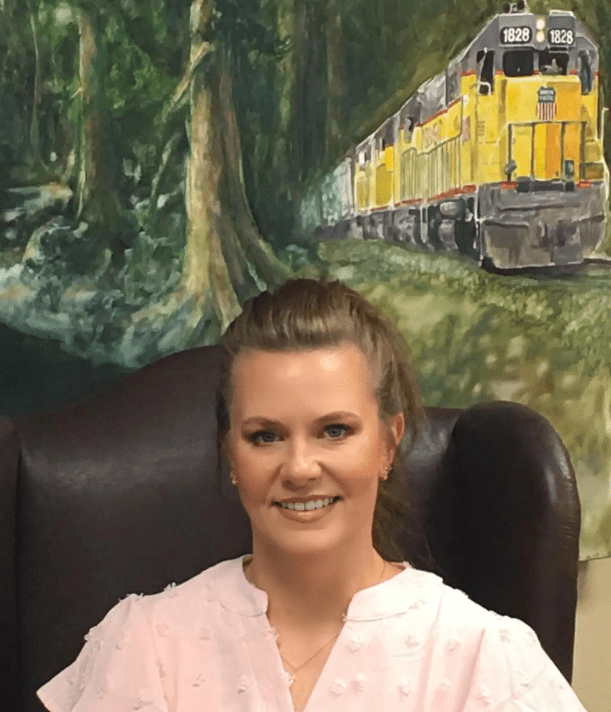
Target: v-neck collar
{"x": 383, "y": 600}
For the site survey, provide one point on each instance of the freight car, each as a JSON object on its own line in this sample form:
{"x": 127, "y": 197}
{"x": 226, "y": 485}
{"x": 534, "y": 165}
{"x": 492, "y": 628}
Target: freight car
{"x": 499, "y": 157}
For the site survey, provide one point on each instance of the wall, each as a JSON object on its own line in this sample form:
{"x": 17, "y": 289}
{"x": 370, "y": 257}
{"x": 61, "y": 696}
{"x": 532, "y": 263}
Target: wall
{"x": 592, "y": 667}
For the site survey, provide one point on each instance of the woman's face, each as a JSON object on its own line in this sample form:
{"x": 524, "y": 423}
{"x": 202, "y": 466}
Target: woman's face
{"x": 282, "y": 445}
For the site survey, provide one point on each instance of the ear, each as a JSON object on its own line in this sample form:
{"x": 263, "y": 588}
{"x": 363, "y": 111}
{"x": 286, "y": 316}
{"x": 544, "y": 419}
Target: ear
{"x": 397, "y": 425}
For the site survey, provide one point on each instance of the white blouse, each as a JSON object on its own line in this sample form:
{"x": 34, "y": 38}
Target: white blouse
{"x": 409, "y": 644}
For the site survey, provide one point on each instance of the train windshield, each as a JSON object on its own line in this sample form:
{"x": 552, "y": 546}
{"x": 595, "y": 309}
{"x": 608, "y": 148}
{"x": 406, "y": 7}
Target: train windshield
{"x": 553, "y": 62}
{"x": 519, "y": 63}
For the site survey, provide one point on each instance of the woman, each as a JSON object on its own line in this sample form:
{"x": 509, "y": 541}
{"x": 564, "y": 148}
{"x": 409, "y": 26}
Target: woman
{"x": 317, "y": 403}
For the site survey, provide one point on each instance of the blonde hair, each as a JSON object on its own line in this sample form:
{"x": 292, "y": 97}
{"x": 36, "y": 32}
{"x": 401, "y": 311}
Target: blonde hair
{"x": 305, "y": 314}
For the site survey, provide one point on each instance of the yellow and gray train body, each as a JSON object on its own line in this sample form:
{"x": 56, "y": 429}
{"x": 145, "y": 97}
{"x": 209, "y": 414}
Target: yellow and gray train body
{"x": 499, "y": 157}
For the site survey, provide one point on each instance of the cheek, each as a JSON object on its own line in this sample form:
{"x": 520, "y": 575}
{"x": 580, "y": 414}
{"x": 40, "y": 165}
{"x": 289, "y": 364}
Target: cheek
{"x": 252, "y": 473}
{"x": 359, "y": 482}
{"x": 365, "y": 489}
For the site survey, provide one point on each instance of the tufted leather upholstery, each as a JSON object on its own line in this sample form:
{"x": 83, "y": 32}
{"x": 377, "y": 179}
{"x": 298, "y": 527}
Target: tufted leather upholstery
{"x": 118, "y": 495}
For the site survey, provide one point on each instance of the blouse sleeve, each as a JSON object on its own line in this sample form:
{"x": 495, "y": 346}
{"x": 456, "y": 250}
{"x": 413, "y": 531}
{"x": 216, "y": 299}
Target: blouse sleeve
{"x": 533, "y": 683}
{"x": 116, "y": 669}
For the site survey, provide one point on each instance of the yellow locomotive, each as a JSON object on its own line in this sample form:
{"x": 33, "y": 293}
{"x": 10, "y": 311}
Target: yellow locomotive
{"x": 499, "y": 157}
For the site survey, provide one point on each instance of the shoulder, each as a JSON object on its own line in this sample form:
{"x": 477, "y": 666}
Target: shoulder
{"x": 457, "y": 607}
{"x": 455, "y": 617}
{"x": 505, "y": 654}
{"x": 451, "y": 621}
{"x": 496, "y": 633}
{"x": 194, "y": 597}
{"x": 449, "y": 607}
{"x": 425, "y": 615}
{"x": 480, "y": 658}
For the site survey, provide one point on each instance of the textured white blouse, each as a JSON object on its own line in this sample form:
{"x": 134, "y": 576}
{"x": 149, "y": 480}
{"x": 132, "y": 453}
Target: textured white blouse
{"x": 409, "y": 644}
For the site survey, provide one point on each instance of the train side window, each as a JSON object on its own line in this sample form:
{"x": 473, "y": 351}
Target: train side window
{"x": 409, "y": 128}
{"x": 519, "y": 63}
{"x": 553, "y": 62}
{"x": 486, "y": 76}
{"x": 585, "y": 73}
{"x": 452, "y": 87}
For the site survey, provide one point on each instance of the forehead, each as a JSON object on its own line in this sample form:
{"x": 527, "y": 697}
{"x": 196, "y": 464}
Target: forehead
{"x": 317, "y": 376}
{"x": 304, "y": 362}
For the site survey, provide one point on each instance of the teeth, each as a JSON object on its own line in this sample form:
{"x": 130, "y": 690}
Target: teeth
{"x": 312, "y": 504}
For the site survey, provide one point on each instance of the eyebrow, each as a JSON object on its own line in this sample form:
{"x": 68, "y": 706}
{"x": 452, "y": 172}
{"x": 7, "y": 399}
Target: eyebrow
{"x": 266, "y": 422}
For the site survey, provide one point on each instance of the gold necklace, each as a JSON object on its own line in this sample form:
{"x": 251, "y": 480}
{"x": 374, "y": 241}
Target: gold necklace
{"x": 293, "y": 677}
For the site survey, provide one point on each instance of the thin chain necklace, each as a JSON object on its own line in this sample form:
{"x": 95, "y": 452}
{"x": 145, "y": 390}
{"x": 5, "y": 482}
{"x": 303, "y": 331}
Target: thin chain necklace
{"x": 293, "y": 676}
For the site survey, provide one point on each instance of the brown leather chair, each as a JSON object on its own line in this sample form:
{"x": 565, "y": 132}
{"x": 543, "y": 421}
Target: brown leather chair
{"x": 118, "y": 495}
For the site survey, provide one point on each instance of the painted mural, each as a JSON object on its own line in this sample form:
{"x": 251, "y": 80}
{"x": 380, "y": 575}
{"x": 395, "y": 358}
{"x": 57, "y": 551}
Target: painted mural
{"x": 163, "y": 161}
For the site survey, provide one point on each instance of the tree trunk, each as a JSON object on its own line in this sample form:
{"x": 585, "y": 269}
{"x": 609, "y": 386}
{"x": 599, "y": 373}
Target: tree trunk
{"x": 34, "y": 124}
{"x": 312, "y": 118}
{"x": 289, "y": 146}
{"x": 220, "y": 230}
{"x": 257, "y": 250}
{"x": 336, "y": 79}
{"x": 203, "y": 267}
{"x": 97, "y": 201}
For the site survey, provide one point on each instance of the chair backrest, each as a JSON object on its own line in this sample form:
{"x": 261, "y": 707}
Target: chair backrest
{"x": 118, "y": 495}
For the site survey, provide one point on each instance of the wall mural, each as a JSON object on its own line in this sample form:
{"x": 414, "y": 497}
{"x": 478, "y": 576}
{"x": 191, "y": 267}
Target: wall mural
{"x": 163, "y": 161}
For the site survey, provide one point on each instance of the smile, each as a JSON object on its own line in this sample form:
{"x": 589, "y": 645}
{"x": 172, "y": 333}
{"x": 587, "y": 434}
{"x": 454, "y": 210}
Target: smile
{"x": 308, "y": 506}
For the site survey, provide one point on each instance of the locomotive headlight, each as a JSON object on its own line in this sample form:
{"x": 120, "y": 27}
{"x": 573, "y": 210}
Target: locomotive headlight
{"x": 540, "y": 36}
{"x": 540, "y": 25}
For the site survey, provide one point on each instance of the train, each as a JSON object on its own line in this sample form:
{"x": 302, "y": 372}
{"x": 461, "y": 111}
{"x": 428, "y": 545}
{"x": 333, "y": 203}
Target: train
{"x": 500, "y": 157}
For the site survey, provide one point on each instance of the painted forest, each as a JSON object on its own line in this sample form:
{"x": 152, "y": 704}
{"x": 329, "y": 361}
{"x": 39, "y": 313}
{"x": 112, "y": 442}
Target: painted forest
{"x": 152, "y": 153}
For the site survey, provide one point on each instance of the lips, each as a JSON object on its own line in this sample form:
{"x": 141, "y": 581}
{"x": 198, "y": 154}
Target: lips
{"x": 305, "y": 514}
{"x": 302, "y": 508}
{"x": 313, "y": 498}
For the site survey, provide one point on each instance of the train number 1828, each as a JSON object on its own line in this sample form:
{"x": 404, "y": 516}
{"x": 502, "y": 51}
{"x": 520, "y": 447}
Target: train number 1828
{"x": 561, "y": 37}
{"x": 516, "y": 35}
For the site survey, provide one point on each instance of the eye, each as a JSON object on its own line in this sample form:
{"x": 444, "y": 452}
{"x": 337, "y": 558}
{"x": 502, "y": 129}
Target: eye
{"x": 254, "y": 437}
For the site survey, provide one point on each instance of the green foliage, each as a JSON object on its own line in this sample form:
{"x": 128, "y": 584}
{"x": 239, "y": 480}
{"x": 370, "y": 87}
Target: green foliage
{"x": 152, "y": 269}
{"x": 136, "y": 91}
{"x": 56, "y": 254}
{"x": 16, "y": 68}
{"x": 246, "y": 26}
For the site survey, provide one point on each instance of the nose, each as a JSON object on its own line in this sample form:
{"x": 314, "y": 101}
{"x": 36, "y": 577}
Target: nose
{"x": 301, "y": 463}
{"x": 301, "y": 470}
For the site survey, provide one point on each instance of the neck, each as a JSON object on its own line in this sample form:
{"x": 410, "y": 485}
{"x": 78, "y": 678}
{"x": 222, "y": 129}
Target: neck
{"x": 313, "y": 591}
